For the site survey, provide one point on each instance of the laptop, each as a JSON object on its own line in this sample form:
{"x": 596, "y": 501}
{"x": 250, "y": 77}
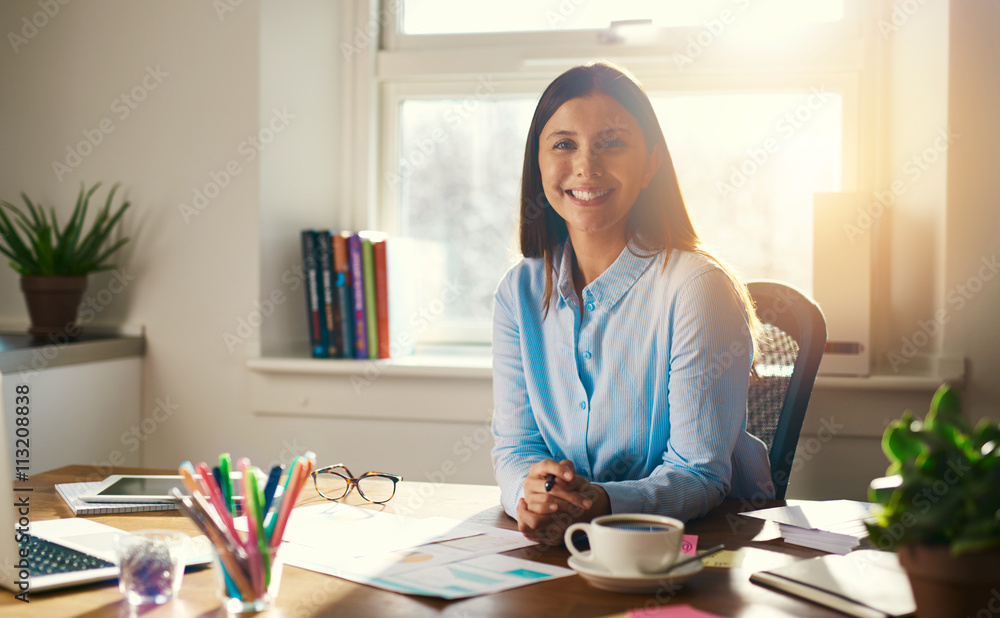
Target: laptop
{"x": 58, "y": 553}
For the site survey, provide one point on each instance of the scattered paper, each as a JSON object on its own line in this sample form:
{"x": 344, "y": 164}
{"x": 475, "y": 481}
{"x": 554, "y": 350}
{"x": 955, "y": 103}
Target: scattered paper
{"x": 689, "y": 545}
{"x": 347, "y": 531}
{"x": 670, "y": 611}
{"x": 457, "y": 580}
{"x": 725, "y": 559}
{"x": 810, "y": 514}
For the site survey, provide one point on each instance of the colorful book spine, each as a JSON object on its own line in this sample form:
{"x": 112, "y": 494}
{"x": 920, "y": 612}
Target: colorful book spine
{"x": 328, "y": 333}
{"x": 382, "y": 298}
{"x": 358, "y": 290}
{"x": 312, "y": 292}
{"x": 371, "y": 309}
{"x": 343, "y": 310}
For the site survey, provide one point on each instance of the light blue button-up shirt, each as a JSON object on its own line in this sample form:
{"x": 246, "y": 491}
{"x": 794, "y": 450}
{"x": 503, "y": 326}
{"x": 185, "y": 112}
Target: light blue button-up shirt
{"x": 645, "y": 390}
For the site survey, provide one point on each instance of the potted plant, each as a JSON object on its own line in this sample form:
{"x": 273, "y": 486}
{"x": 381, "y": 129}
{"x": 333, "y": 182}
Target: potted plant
{"x": 939, "y": 507}
{"x": 54, "y": 261}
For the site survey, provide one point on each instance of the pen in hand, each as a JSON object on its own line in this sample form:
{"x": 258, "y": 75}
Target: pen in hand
{"x": 550, "y": 481}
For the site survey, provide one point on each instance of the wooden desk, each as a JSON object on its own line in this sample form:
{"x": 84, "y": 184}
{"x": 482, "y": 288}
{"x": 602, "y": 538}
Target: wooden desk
{"x": 727, "y": 592}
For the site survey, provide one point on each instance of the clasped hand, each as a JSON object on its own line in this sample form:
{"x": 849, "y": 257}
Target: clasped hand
{"x": 543, "y": 516}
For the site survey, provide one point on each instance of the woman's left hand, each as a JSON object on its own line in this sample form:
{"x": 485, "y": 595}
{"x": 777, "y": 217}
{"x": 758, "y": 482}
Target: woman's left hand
{"x": 547, "y": 521}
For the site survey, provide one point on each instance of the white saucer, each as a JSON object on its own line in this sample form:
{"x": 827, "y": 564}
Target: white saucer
{"x": 599, "y": 577}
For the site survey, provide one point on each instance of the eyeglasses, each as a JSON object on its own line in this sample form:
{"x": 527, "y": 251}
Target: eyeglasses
{"x": 335, "y": 482}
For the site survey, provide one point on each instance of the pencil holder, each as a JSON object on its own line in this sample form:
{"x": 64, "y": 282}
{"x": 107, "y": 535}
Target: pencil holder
{"x": 247, "y": 599}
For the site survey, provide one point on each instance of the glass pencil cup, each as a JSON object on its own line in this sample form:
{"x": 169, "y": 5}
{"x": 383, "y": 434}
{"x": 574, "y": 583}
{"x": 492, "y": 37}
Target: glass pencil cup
{"x": 151, "y": 565}
{"x": 237, "y": 592}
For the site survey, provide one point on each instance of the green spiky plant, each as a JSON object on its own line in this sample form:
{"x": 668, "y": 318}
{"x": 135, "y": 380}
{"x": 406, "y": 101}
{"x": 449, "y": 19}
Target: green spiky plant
{"x": 36, "y": 245}
{"x": 943, "y": 483}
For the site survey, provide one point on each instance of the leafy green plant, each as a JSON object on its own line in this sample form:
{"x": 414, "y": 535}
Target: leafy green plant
{"x": 45, "y": 249}
{"x": 943, "y": 483}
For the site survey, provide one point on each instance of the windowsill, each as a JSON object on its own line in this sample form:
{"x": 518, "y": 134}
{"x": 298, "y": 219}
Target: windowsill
{"x": 445, "y": 361}
{"x": 474, "y": 362}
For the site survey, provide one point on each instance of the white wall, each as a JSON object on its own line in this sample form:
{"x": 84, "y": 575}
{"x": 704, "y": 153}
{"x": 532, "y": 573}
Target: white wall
{"x": 195, "y": 279}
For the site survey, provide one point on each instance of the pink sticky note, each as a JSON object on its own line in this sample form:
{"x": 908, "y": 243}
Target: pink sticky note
{"x": 689, "y": 545}
{"x": 670, "y": 611}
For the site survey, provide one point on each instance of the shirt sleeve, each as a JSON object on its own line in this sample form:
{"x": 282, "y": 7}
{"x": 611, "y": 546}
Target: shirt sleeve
{"x": 518, "y": 442}
{"x": 710, "y": 352}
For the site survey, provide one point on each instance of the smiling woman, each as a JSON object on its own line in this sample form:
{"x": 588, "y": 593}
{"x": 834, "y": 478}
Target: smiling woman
{"x": 608, "y": 393}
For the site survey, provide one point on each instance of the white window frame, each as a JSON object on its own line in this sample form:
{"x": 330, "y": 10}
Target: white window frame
{"x": 842, "y": 56}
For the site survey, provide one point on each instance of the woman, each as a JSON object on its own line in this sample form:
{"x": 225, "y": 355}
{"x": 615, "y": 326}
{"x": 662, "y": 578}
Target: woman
{"x": 621, "y": 348}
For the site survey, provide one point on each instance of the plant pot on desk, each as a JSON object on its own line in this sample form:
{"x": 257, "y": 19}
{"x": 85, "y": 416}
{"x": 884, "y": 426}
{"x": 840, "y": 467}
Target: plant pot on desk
{"x": 946, "y": 585}
{"x": 53, "y": 303}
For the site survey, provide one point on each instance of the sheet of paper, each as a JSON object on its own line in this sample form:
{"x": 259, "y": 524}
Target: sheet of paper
{"x": 822, "y": 515}
{"x": 725, "y": 559}
{"x": 348, "y": 531}
{"x": 689, "y": 545}
{"x": 490, "y": 541}
{"x": 670, "y": 611}
{"x": 457, "y": 580}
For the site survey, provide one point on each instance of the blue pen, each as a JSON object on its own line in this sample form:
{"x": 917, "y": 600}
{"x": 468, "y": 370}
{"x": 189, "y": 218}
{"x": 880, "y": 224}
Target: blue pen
{"x": 271, "y": 487}
{"x": 550, "y": 481}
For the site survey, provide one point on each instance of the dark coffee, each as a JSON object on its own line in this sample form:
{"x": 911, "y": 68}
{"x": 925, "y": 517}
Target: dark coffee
{"x": 638, "y": 525}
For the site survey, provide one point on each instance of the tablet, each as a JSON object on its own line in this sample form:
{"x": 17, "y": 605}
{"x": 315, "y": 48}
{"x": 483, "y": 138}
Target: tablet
{"x": 135, "y": 488}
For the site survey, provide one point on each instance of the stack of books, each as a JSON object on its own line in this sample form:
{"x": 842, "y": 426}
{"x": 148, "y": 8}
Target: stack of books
{"x": 360, "y": 287}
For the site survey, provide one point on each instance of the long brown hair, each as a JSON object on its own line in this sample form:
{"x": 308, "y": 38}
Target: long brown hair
{"x": 658, "y": 221}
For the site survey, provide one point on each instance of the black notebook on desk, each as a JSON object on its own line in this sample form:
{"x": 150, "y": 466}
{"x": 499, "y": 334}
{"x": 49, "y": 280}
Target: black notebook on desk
{"x": 866, "y": 583}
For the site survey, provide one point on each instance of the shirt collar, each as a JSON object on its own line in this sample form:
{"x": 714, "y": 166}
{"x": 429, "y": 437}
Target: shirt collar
{"x": 612, "y": 284}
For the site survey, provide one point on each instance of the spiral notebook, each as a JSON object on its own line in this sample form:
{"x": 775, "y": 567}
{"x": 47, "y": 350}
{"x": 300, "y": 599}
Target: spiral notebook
{"x": 71, "y": 493}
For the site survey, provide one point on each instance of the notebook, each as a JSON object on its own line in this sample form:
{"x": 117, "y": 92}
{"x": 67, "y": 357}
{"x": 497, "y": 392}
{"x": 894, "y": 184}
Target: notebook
{"x": 867, "y": 583}
{"x": 71, "y": 493}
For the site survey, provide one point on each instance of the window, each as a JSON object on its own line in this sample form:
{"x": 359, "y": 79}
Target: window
{"x": 759, "y": 103}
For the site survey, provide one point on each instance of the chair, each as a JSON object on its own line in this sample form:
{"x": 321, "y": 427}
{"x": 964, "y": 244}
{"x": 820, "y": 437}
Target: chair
{"x": 794, "y": 336}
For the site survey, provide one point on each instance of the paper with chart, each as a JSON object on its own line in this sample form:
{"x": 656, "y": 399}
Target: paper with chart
{"x": 438, "y": 556}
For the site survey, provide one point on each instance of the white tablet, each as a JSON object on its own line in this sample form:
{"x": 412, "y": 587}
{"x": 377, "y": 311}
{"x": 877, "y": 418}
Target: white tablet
{"x": 135, "y": 488}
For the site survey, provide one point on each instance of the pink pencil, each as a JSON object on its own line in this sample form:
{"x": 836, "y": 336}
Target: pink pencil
{"x": 214, "y": 493}
{"x": 299, "y": 473}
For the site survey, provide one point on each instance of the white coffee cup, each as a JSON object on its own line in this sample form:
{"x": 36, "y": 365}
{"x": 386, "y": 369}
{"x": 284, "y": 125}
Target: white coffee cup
{"x": 630, "y": 544}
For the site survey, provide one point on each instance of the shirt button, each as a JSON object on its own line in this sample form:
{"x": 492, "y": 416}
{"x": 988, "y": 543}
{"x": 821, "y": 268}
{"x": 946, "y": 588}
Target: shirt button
{"x": 590, "y": 306}
{"x": 583, "y": 405}
{"x": 586, "y": 355}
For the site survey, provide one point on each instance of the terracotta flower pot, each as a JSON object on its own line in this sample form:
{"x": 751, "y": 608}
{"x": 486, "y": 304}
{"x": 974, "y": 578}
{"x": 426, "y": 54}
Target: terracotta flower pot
{"x": 52, "y": 304}
{"x": 946, "y": 586}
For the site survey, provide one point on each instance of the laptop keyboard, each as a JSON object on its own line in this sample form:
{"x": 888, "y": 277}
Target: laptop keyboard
{"x": 48, "y": 558}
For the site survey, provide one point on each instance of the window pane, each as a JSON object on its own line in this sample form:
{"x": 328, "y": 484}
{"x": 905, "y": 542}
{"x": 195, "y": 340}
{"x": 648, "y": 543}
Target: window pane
{"x": 748, "y": 166}
{"x": 465, "y": 16}
{"x": 458, "y": 178}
